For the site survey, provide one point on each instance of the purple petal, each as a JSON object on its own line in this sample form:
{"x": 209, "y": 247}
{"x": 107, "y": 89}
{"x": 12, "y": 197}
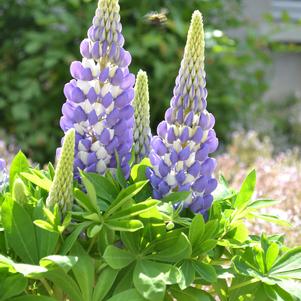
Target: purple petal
{"x": 162, "y": 129}
{"x": 92, "y": 96}
{"x": 184, "y": 153}
{"x": 104, "y": 137}
{"x": 194, "y": 169}
{"x": 107, "y": 100}
{"x": 200, "y": 184}
{"x": 163, "y": 169}
{"x": 158, "y": 145}
{"x": 79, "y": 115}
{"x": 202, "y": 153}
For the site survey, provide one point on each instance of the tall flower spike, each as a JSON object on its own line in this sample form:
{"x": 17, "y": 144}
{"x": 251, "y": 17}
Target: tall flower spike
{"x": 99, "y": 97}
{"x": 142, "y": 131}
{"x": 3, "y": 176}
{"x": 179, "y": 153}
{"x": 61, "y": 191}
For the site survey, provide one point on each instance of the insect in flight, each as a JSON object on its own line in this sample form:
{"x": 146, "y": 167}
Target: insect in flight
{"x": 157, "y": 18}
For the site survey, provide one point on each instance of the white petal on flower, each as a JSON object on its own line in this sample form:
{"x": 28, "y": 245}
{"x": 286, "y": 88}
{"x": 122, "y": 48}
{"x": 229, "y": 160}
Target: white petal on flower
{"x": 98, "y": 128}
{"x": 101, "y": 153}
{"x": 101, "y": 167}
{"x": 84, "y": 86}
{"x": 177, "y": 130}
{"x": 99, "y": 108}
{"x": 171, "y": 180}
{"x": 205, "y": 136}
{"x": 83, "y": 156}
{"x": 105, "y": 89}
{"x": 86, "y": 106}
{"x": 177, "y": 145}
{"x": 189, "y": 179}
{"x": 110, "y": 108}
{"x": 116, "y": 91}
{"x": 81, "y": 147}
{"x": 179, "y": 166}
{"x": 112, "y": 71}
{"x": 111, "y": 133}
{"x": 190, "y": 160}
{"x": 96, "y": 146}
{"x": 79, "y": 129}
{"x": 167, "y": 159}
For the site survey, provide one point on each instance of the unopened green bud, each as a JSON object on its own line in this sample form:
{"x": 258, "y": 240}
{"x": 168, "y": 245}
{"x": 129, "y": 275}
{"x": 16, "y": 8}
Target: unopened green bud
{"x": 142, "y": 131}
{"x": 19, "y": 191}
{"x": 61, "y": 191}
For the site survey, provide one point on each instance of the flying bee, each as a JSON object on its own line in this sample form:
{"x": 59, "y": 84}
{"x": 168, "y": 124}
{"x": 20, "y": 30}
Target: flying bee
{"x": 157, "y": 18}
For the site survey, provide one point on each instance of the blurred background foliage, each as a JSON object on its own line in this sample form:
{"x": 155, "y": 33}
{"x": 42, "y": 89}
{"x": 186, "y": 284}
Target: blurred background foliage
{"x": 39, "y": 40}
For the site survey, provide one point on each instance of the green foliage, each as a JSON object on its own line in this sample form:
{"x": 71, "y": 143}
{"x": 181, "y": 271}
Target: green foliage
{"x": 45, "y": 37}
{"x": 117, "y": 242}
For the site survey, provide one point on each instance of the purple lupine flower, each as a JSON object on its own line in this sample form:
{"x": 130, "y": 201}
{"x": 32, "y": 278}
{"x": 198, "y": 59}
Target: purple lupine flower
{"x": 179, "y": 153}
{"x": 99, "y": 97}
{"x": 3, "y": 176}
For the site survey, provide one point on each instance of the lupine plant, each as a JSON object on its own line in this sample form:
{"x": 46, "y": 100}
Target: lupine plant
{"x": 179, "y": 153}
{"x": 110, "y": 224}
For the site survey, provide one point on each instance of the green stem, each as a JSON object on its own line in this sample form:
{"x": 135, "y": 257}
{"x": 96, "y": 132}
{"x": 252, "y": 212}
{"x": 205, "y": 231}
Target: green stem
{"x": 47, "y": 286}
{"x": 92, "y": 243}
{"x": 242, "y": 284}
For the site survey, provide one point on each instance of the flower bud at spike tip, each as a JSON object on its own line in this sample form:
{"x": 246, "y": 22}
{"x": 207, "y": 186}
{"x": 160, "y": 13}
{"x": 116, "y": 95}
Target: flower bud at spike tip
{"x": 19, "y": 192}
{"x": 100, "y": 95}
{"x": 142, "y": 131}
{"x": 180, "y": 151}
{"x": 61, "y": 190}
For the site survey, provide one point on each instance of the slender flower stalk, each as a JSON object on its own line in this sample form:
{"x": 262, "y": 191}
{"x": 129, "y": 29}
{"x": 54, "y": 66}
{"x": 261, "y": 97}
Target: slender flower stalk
{"x": 61, "y": 191}
{"x": 142, "y": 131}
{"x": 3, "y": 176}
{"x": 99, "y": 97}
{"x": 179, "y": 153}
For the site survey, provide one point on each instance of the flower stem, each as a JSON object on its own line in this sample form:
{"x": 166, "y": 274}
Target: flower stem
{"x": 242, "y": 284}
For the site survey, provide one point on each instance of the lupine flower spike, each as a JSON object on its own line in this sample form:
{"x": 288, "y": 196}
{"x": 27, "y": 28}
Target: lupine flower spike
{"x": 142, "y": 131}
{"x": 3, "y": 176}
{"x": 179, "y": 154}
{"x": 61, "y": 191}
{"x": 99, "y": 97}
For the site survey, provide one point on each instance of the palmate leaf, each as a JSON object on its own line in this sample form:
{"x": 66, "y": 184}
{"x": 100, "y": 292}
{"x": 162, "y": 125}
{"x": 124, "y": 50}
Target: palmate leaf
{"x": 83, "y": 271}
{"x": 187, "y": 274}
{"x": 11, "y": 286}
{"x": 50, "y": 263}
{"x": 190, "y": 294}
{"x": 46, "y": 240}
{"x": 33, "y": 298}
{"x": 124, "y": 196}
{"x": 19, "y": 231}
{"x": 179, "y": 249}
{"x": 205, "y": 271}
{"x": 130, "y": 294}
{"x": 117, "y": 258}
{"x": 91, "y": 192}
{"x": 288, "y": 266}
{"x": 243, "y": 198}
{"x": 42, "y": 182}
{"x": 131, "y": 225}
{"x": 151, "y": 278}
{"x": 104, "y": 283}
{"x": 135, "y": 209}
{"x": 71, "y": 239}
{"x": 103, "y": 187}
